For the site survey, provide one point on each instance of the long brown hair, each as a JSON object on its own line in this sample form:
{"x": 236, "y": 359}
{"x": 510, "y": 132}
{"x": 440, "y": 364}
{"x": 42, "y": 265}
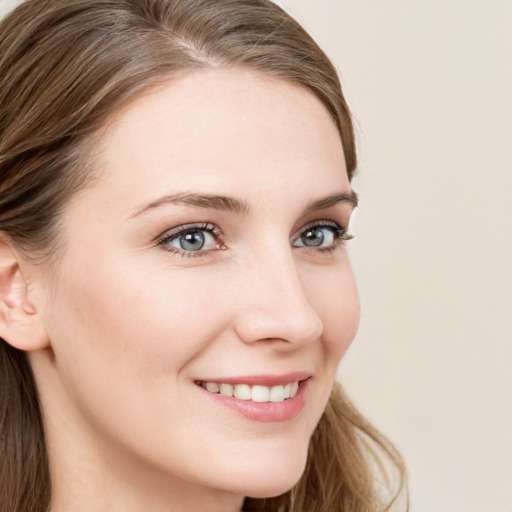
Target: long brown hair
{"x": 65, "y": 67}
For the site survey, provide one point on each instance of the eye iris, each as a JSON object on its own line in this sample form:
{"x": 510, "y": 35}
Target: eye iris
{"x": 313, "y": 237}
{"x": 192, "y": 241}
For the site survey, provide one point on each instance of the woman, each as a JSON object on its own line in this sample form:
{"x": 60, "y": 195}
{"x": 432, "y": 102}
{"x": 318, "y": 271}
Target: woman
{"x": 175, "y": 290}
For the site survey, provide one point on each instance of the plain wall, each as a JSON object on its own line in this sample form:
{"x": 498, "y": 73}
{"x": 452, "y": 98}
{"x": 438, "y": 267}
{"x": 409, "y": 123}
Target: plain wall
{"x": 430, "y": 84}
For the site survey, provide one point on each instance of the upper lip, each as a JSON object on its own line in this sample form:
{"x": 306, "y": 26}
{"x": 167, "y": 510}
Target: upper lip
{"x": 261, "y": 380}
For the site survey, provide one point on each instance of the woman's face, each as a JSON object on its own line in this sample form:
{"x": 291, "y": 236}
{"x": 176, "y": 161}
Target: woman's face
{"x": 209, "y": 250}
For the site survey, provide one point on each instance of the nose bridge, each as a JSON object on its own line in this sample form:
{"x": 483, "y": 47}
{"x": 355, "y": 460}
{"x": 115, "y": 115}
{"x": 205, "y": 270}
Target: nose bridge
{"x": 275, "y": 302}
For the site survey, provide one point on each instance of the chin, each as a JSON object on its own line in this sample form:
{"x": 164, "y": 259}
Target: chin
{"x": 275, "y": 487}
{"x": 281, "y": 473}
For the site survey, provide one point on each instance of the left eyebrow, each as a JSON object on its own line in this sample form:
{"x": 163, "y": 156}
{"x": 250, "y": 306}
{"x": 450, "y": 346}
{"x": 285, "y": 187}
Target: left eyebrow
{"x": 207, "y": 201}
{"x": 327, "y": 202}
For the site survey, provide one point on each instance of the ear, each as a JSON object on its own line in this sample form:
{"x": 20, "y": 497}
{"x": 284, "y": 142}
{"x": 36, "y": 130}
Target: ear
{"x": 21, "y": 324}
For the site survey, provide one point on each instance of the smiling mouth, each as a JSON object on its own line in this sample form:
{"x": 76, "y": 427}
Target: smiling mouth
{"x": 255, "y": 393}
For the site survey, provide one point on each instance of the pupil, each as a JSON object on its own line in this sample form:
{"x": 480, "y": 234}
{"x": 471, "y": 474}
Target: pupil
{"x": 313, "y": 238}
{"x": 193, "y": 241}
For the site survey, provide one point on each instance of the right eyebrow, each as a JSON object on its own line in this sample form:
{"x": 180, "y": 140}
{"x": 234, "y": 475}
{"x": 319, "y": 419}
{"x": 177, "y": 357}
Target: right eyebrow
{"x": 327, "y": 202}
{"x": 207, "y": 201}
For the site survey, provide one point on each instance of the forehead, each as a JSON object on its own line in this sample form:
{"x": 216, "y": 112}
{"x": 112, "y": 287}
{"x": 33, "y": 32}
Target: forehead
{"x": 222, "y": 128}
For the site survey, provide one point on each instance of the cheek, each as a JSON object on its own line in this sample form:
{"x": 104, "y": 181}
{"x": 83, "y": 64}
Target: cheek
{"x": 135, "y": 317}
{"x": 333, "y": 293}
{"x": 124, "y": 339}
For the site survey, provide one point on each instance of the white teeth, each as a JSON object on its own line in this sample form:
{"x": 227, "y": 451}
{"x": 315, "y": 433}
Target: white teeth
{"x": 213, "y": 387}
{"x": 243, "y": 392}
{"x": 255, "y": 393}
{"x": 260, "y": 394}
{"x": 277, "y": 394}
{"x": 226, "y": 390}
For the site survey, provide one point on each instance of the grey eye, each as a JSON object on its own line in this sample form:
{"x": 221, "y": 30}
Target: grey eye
{"x": 193, "y": 241}
{"x": 320, "y": 236}
{"x": 313, "y": 237}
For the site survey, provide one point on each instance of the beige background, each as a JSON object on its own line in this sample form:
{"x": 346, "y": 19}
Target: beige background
{"x": 430, "y": 85}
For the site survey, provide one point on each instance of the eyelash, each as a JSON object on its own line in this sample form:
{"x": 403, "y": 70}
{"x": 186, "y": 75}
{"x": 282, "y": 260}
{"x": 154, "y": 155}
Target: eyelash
{"x": 339, "y": 233}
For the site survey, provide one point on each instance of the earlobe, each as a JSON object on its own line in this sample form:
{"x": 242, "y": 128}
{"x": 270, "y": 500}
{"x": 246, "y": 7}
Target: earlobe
{"x": 21, "y": 324}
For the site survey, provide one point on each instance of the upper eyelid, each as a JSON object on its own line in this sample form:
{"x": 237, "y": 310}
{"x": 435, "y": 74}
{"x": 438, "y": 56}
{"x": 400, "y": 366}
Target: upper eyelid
{"x": 200, "y": 226}
{"x": 213, "y": 228}
{"x": 319, "y": 223}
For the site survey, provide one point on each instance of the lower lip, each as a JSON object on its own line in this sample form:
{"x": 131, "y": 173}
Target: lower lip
{"x": 264, "y": 412}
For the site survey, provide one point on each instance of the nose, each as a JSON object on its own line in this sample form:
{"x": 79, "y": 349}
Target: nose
{"x": 273, "y": 304}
